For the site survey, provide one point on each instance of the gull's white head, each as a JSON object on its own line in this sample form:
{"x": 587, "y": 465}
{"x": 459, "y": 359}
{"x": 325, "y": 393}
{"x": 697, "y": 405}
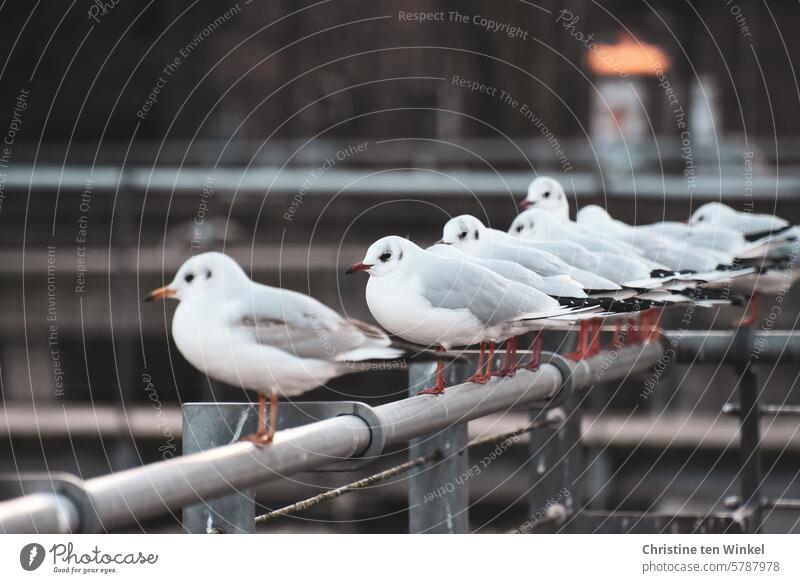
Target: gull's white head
{"x": 202, "y": 274}
{"x": 464, "y": 232}
{"x": 547, "y": 194}
{"x": 385, "y": 256}
{"x": 711, "y": 214}
{"x": 521, "y": 225}
{"x": 536, "y": 224}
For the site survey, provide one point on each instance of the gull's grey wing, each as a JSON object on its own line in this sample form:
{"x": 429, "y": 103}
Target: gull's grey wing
{"x": 455, "y": 285}
{"x": 300, "y": 325}
{"x": 537, "y": 260}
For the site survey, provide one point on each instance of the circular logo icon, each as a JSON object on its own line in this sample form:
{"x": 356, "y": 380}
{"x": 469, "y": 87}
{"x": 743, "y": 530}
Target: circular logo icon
{"x": 31, "y": 556}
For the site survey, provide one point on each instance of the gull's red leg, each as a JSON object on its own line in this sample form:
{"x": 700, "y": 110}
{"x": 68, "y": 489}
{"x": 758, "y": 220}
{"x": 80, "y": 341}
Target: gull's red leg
{"x": 616, "y": 341}
{"x": 490, "y": 361}
{"x": 479, "y": 376}
{"x": 638, "y": 327}
{"x": 630, "y": 331}
{"x": 751, "y": 317}
{"x": 594, "y": 342}
{"x": 510, "y": 361}
{"x": 264, "y": 434}
{"x": 536, "y": 353}
{"x": 655, "y": 326}
{"x": 580, "y": 350}
{"x": 437, "y": 389}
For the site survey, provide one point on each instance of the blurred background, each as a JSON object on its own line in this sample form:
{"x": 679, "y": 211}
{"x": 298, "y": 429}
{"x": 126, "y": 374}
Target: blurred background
{"x": 291, "y": 135}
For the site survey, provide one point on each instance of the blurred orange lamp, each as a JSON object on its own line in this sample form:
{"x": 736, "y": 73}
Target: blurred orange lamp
{"x": 628, "y": 57}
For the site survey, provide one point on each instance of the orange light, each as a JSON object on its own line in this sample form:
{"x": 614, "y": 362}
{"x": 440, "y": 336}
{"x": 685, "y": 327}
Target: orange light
{"x": 628, "y": 57}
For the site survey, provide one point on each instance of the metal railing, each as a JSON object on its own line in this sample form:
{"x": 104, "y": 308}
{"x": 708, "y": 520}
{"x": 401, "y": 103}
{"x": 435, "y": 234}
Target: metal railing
{"x": 56, "y": 503}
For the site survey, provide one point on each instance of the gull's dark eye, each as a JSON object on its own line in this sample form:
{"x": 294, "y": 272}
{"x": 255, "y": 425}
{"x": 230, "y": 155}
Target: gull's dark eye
{"x": 519, "y": 228}
{"x": 385, "y": 257}
{"x": 546, "y": 194}
{"x": 188, "y": 277}
{"x": 477, "y": 235}
{"x": 701, "y": 218}
{"x": 462, "y": 235}
{"x": 208, "y": 274}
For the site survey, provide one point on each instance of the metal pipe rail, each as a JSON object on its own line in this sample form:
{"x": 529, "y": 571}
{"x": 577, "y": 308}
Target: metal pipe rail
{"x": 137, "y": 494}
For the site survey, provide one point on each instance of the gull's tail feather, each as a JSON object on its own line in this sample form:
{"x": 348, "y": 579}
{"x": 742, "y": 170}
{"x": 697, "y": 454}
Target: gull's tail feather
{"x": 592, "y": 281}
{"x": 555, "y": 314}
{"x": 371, "y": 353}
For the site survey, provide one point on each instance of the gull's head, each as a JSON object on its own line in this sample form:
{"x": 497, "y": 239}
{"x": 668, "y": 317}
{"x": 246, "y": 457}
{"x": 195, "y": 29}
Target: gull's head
{"x": 535, "y": 224}
{"x": 202, "y": 274}
{"x": 464, "y": 232}
{"x": 384, "y": 256}
{"x": 712, "y": 214}
{"x": 547, "y": 194}
{"x": 521, "y": 225}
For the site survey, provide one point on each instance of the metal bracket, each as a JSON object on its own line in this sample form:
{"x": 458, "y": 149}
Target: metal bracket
{"x": 296, "y": 414}
{"x": 59, "y": 483}
{"x": 565, "y": 367}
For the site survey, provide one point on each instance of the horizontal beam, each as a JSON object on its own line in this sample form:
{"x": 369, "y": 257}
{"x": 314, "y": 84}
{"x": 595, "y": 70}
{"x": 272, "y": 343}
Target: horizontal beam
{"x": 137, "y": 494}
{"x": 701, "y": 346}
{"x": 379, "y": 182}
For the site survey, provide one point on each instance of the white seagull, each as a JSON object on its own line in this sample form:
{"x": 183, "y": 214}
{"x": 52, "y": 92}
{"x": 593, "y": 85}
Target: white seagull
{"x": 470, "y": 235}
{"x": 547, "y": 194}
{"x": 270, "y": 340}
{"x": 775, "y": 252}
{"x": 437, "y": 301}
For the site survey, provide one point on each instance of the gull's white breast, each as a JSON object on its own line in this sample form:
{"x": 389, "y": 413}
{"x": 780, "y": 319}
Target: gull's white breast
{"x": 232, "y": 355}
{"x": 399, "y": 306}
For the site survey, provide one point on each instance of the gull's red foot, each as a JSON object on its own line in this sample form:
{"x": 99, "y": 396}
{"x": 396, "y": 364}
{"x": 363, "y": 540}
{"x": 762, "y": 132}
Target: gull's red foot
{"x": 432, "y": 391}
{"x": 266, "y": 431}
{"x": 536, "y": 354}
{"x": 582, "y": 347}
{"x": 438, "y": 388}
{"x": 509, "y": 368}
{"x": 260, "y": 438}
{"x": 751, "y": 317}
{"x": 479, "y": 378}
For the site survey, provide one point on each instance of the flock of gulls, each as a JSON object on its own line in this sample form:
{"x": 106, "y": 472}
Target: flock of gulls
{"x": 478, "y": 286}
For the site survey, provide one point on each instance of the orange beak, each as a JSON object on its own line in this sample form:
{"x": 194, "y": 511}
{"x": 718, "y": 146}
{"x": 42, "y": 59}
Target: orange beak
{"x": 525, "y": 203}
{"x": 357, "y": 267}
{"x": 161, "y": 293}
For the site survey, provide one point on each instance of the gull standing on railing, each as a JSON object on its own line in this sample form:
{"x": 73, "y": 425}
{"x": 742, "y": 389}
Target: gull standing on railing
{"x": 271, "y": 340}
{"x": 774, "y": 249}
{"x": 437, "y": 301}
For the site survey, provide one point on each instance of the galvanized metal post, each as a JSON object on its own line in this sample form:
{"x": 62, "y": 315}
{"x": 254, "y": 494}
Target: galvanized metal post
{"x": 554, "y": 458}
{"x": 438, "y": 492}
{"x": 209, "y": 425}
{"x": 750, "y": 430}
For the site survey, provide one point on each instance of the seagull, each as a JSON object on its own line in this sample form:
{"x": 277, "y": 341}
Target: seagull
{"x": 271, "y": 340}
{"x": 437, "y": 301}
{"x": 753, "y": 225}
{"x": 547, "y": 194}
{"x": 776, "y": 247}
{"x": 566, "y": 292}
{"x": 620, "y": 270}
{"x": 470, "y": 235}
